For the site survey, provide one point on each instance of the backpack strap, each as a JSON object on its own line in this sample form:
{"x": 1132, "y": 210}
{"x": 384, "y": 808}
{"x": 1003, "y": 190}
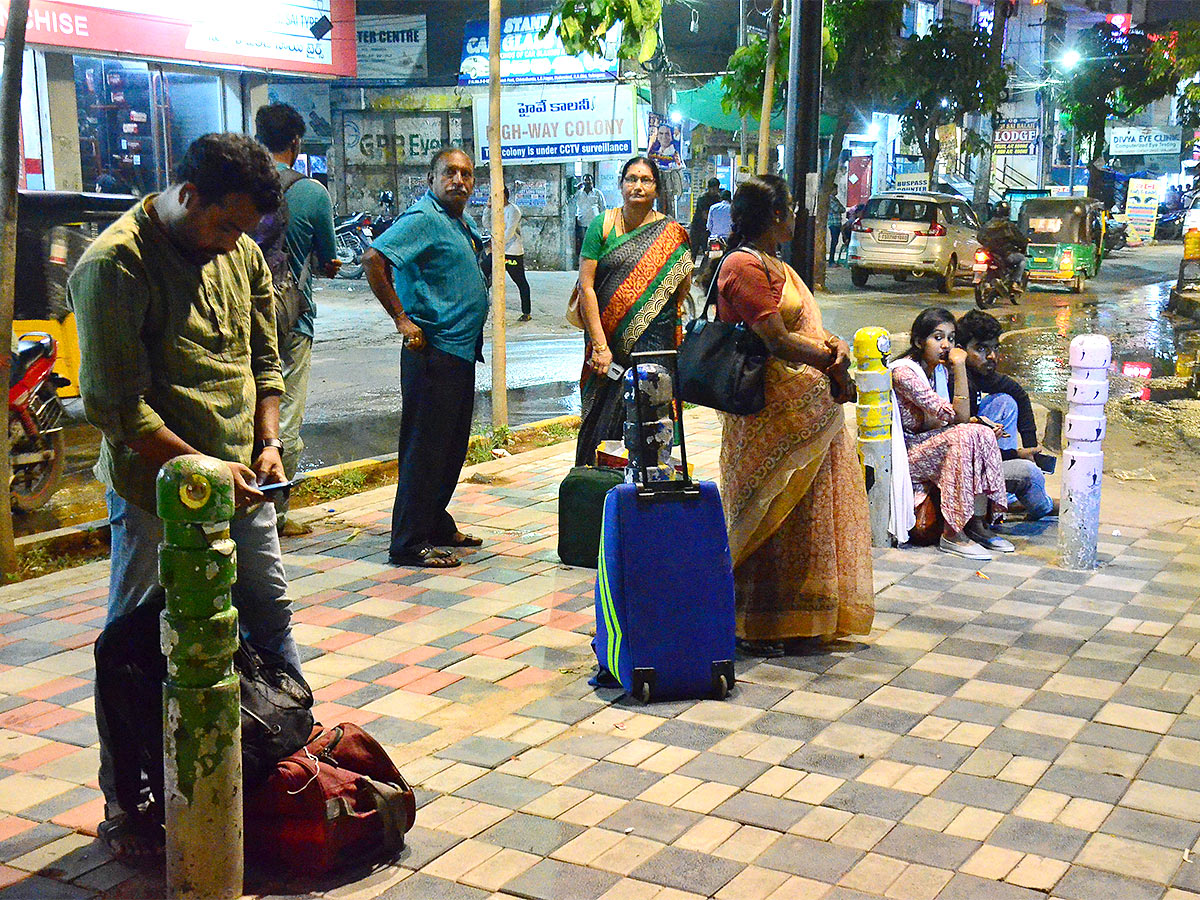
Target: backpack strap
{"x": 287, "y": 180}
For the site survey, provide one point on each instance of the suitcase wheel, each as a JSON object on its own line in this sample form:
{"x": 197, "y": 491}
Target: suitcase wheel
{"x": 723, "y": 678}
{"x": 722, "y": 687}
{"x": 643, "y": 684}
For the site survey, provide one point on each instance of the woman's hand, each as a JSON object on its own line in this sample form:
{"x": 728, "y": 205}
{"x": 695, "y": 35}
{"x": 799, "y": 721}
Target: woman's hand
{"x": 958, "y": 357}
{"x": 600, "y": 359}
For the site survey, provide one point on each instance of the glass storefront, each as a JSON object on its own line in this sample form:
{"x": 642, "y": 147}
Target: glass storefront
{"x": 136, "y": 121}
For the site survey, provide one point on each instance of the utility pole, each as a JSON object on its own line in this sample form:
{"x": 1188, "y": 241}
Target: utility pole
{"x": 764, "y": 123}
{"x": 10, "y": 124}
{"x": 496, "y": 172}
{"x": 803, "y": 162}
{"x": 1001, "y": 10}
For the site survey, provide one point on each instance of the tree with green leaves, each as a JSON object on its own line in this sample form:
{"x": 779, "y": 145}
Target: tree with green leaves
{"x": 1115, "y": 77}
{"x": 1175, "y": 53}
{"x": 582, "y": 25}
{"x": 938, "y": 79}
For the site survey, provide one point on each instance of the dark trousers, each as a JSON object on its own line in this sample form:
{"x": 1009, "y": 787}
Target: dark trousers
{"x": 580, "y": 231}
{"x": 835, "y": 232}
{"x": 438, "y": 397}
{"x": 515, "y": 267}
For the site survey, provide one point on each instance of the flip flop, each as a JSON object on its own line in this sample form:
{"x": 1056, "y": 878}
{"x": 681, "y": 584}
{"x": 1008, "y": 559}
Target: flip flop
{"x": 426, "y": 558}
{"x": 130, "y": 843}
{"x": 461, "y": 540}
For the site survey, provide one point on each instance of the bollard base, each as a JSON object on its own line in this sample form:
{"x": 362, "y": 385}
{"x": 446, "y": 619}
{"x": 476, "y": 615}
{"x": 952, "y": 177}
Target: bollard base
{"x": 202, "y": 739}
{"x": 1079, "y": 529}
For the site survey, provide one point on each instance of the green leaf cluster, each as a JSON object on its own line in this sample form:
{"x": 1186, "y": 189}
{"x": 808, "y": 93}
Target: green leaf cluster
{"x": 1175, "y": 54}
{"x": 582, "y": 25}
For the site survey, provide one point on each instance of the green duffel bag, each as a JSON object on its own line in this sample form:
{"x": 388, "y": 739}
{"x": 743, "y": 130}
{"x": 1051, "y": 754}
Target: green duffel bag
{"x": 580, "y": 510}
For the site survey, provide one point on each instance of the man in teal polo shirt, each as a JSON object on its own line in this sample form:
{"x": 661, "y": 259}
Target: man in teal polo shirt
{"x": 423, "y": 270}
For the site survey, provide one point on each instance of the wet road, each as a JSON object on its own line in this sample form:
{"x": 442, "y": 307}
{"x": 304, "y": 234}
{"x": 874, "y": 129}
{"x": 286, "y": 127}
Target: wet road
{"x": 354, "y": 403}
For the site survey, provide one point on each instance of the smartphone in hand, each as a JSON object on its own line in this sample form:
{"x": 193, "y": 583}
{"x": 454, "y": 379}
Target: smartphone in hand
{"x": 279, "y": 489}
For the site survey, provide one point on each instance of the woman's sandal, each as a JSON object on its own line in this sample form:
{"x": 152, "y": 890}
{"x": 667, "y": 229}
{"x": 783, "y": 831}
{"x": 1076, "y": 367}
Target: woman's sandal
{"x": 426, "y": 558}
{"x": 128, "y": 843}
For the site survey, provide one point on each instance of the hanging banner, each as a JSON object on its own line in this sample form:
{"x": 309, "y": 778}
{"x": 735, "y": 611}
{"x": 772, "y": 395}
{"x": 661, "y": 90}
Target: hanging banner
{"x": 1126, "y": 141}
{"x": 560, "y": 123}
{"x": 527, "y": 57}
{"x": 1015, "y": 137}
{"x": 665, "y": 142}
{"x": 391, "y": 46}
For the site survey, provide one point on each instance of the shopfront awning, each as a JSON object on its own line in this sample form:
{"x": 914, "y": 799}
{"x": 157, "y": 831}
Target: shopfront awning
{"x": 703, "y": 105}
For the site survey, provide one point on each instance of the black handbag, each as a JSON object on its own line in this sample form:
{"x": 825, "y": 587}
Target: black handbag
{"x": 721, "y": 365}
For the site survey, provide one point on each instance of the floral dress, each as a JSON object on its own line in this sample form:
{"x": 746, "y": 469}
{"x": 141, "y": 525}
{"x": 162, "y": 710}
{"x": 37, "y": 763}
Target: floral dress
{"x": 961, "y": 461}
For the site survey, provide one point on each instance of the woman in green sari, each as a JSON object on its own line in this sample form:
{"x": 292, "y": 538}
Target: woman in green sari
{"x": 635, "y": 270}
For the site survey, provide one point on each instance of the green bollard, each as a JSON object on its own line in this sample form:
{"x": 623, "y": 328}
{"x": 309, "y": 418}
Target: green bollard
{"x": 202, "y": 729}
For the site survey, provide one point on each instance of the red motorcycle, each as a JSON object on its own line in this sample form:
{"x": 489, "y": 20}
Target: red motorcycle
{"x": 35, "y": 413}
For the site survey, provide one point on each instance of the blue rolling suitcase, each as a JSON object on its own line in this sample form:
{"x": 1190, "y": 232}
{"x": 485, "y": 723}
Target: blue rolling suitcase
{"x": 664, "y": 589}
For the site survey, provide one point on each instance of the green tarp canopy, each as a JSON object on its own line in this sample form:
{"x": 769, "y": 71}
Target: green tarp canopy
{"x": 703, "y": 105}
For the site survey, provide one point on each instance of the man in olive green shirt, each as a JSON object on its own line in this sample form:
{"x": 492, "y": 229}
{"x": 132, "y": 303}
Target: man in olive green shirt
{"x": 173, "y": 304}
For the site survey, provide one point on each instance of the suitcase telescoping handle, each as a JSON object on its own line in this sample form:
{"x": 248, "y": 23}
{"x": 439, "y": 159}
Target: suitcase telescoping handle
{"x": 649, "y": 488}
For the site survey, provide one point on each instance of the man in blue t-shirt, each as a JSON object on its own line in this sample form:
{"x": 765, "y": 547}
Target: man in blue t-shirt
{"x": 424, "y": 272}
{"x": 280, "y": 128}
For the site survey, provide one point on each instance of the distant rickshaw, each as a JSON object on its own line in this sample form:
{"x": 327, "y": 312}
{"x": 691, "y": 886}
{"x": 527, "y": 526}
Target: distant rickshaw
{"x": 1066, "y": 239}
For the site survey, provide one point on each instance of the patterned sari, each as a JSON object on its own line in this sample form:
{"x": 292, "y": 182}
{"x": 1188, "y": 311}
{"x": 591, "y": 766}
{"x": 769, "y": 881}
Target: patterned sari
{"x": 637, "y": 281}
{"x": 796, "y": 502}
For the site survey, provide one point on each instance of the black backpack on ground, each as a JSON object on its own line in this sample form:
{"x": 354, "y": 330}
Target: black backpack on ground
{"x": 276, "y": 705}
{"x": 271, "y": 237}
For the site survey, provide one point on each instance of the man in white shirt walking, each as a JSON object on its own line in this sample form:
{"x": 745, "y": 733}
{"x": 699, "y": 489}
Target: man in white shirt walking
{"x": 514, "y": 256}
{"x": 589, "y": 203}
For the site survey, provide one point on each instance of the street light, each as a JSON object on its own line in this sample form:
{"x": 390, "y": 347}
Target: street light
{"x": 1070, "y": 60}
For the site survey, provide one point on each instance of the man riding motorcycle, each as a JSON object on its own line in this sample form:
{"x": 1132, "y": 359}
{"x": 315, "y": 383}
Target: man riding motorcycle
{"x": 1006, "y": 244}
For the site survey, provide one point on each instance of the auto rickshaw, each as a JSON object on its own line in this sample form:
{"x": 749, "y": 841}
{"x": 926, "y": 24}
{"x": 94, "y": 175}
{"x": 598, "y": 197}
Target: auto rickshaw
{"x": 53, "y": 230}
{"x": 1066, "y": 239}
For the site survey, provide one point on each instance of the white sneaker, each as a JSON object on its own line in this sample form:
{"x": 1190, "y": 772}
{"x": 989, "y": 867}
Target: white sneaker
{"x": 986, "y": 538}
{"x": 967, "y": 549}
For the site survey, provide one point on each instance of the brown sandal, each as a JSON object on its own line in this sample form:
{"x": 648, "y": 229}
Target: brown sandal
{"x": 426, "y": 558}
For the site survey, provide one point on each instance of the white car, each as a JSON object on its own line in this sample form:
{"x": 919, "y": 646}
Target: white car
{"x": 904, "y": 233}
{"x": 1191, "y": 218}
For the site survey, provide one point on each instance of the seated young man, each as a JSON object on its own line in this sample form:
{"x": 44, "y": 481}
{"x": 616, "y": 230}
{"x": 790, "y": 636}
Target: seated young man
{"x": 1002, "y": 401}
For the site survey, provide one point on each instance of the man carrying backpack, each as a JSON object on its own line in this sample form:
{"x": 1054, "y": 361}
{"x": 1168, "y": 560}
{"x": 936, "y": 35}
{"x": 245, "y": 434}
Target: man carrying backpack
{"x": 301, "y": 230}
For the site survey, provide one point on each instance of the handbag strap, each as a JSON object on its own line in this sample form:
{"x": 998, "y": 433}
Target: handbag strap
{"x": 712, "y": 285}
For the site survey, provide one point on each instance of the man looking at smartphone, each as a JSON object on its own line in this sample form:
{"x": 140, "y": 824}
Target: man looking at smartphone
{"x": 1000, "y": 402}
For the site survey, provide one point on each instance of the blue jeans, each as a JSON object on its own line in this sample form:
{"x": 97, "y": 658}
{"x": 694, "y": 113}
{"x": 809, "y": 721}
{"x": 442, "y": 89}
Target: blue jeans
{"x": 260, "y": 592}
{"x": 1022, "y": 478}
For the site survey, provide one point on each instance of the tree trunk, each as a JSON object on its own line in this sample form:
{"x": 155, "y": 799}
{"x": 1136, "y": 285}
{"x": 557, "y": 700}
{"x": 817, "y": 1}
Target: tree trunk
{"x": 496, "y": 172}
{"x": 10, "y": 123}
{"x": 764, "y": 123}
{"x": 1095, "y": 187}
{"x": 841, "y": 126}
{"x": 983, "y": 180}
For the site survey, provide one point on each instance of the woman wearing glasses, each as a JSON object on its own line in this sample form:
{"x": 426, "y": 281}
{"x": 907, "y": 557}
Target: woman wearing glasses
{"x": 635, "y": 270}
{"x": 795, "y": 500}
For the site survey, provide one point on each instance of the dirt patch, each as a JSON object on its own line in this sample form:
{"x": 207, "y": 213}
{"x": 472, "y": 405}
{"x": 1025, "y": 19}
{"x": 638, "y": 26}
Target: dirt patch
{"x": 1161, "y": 439}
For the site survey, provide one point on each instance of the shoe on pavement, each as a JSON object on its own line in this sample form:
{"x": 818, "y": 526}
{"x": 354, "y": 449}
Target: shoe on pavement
{"x": 986, "y": 538}
{"x": 967, "y": 549}
{"x": 525, "y": 317}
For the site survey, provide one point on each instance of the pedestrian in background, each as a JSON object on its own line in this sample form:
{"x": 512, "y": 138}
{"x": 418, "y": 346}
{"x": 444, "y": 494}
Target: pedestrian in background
{"x": 307, "y": 213}
{"x": 720, "y": 218}
{"x": 833, "y": 220}
{"x": 698, "y": 233}
{"x": 514, "y": 255}
{"x": 589, "y": 203}
{"x": 423, "y": 270}
{"x": 634, "y": 274}
{"x": 178, "y": 355}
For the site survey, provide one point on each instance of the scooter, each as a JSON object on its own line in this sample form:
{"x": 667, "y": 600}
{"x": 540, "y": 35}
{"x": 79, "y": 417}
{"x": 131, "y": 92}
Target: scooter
{"x": 35, "y": 413}
{"x": 1116, "y": 235}
{"x": 993, "y": 280}
{"x": 352, "y": 236}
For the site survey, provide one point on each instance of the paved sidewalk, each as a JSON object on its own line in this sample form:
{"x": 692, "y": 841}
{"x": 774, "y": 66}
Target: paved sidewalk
{"x": 1014, "y": 731}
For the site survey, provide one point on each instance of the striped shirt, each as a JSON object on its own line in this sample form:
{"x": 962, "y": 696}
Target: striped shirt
{"x": 165, "y": 342}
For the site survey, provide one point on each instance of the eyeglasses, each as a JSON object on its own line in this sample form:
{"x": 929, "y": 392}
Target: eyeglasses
{"x": 639, "y": 179}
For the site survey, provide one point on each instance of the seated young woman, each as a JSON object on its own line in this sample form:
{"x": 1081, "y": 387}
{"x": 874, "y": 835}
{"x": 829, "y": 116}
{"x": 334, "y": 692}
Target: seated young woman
{"x": 947, "y": 449}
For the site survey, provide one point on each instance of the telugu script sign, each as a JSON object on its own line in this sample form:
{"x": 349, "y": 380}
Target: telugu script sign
{"x": 561, "y": 123}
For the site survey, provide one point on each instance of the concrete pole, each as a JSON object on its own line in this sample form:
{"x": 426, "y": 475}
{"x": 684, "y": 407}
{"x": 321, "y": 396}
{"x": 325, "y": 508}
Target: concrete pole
{"x": 1083, "y": 459}
{"x": 496, "y": 171}
{"x": 742, "y": 134}
{"x": 765, "y": 161}
{"x": 874, "y": 412}
{"x": 202, "y": 728}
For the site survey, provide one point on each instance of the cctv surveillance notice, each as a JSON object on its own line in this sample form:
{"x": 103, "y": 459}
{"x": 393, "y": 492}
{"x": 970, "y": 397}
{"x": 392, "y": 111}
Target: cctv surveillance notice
{"x": 560, "y": 123}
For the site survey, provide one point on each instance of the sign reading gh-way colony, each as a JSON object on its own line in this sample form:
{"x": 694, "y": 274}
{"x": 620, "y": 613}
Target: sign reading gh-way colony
{"x": 262, "y": 34}
{"x": 1016, "y": 137}
{"x": 1126, "y": 141}
{"x": 564, "y": 122}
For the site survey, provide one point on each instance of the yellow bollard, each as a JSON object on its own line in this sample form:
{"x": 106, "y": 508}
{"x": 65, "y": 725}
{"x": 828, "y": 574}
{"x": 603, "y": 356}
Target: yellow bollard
{"x": 874, "y": 413}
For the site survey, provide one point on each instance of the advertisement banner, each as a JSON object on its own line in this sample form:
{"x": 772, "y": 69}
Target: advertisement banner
{"x": 665, "y": 142}
{"x": 561, "y": 123}
{"x": 526, "y": 57}
{"x": 410, "y": 141}
{"x": 1015, "y": 137}
{"x": 1126, "y": 141}
{"x": 391, "y": 46}
{"x": 264, "y": 34}
{"x": 311, "y": 101}
{"x": 1141, "y": 206}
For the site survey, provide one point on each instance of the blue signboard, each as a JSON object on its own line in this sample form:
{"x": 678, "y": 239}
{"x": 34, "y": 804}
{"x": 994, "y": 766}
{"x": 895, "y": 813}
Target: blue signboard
{"x": 526, "y": 57}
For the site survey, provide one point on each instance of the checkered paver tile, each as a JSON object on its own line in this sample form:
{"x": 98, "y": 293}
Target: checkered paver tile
{"x": 1011, "y": 731}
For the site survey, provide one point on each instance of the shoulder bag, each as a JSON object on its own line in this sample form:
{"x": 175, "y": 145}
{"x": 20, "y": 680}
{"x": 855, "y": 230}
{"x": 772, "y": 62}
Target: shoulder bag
{"x": 722, "y": 365}
{"x": 574, "y": 316}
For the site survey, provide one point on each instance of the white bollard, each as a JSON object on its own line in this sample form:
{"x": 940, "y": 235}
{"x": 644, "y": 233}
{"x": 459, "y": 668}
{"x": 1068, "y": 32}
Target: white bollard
{"x": 1083, "y": 457}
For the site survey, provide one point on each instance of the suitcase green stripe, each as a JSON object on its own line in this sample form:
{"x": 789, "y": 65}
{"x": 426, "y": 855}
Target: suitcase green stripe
{"x": 610, "y": 613}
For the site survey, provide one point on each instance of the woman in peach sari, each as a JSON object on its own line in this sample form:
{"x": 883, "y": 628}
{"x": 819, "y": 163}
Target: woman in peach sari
{"x": 795, "y": 499}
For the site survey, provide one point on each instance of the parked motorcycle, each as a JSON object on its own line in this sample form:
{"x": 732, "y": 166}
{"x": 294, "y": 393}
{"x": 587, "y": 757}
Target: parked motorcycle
{"x": 352, "y": 236}
{"x": 1170, "y": 223}
{"x": 993, "y": 279}
{"x": 1116, "y": 235}
{"x": 38, "y": 447}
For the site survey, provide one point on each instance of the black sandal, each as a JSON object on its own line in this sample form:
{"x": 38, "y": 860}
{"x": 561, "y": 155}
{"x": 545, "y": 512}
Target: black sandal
{"x": 458, "y": 539}
{"x": 426, "y": 558}
{"x": 764, "y": 649}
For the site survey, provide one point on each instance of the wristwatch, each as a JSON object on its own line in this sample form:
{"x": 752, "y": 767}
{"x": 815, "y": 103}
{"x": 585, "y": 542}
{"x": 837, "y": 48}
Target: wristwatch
{"x": 263, "y": 443}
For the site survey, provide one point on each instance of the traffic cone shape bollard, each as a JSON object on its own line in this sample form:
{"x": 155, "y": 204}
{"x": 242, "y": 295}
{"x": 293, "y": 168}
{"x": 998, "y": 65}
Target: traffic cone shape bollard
{"x": 874, "y": 412}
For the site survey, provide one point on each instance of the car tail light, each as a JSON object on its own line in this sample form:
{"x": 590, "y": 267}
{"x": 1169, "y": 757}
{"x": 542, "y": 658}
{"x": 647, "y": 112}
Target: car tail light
{"x": 936, "y": 229}
{"x": 714, "y": 246}
{"x": 981, "y": 256}
{"x": 859, "y": 228}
